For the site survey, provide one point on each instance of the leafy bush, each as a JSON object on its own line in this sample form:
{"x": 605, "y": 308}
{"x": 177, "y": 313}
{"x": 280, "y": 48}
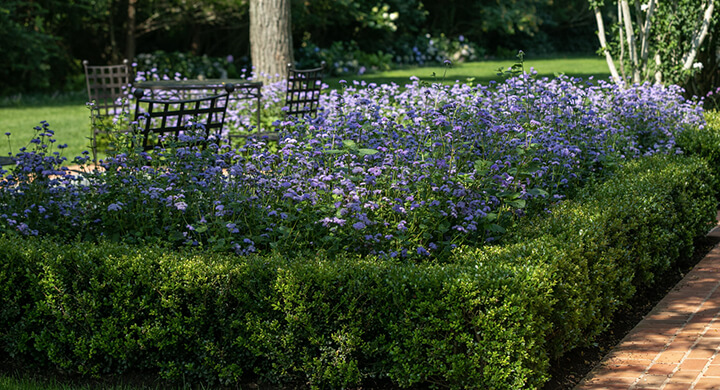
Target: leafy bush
{"x": 428, "y": 49}
{"x": 32, "y": 56}
{"x": 347, "y": 58}
{"x": 617, "y": 237}
{"x": 110, "y": 309}
{"x": 187, "y": 65}
{"x": 703, "y": 141}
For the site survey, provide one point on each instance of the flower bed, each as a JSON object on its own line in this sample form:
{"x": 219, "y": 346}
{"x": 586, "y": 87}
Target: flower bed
{"x": 403, "y": 174}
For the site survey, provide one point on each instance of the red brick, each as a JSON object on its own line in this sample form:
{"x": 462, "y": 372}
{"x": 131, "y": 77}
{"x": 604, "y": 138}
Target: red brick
{"x": 653, "y": 381}
{"x": 707, "y": 383}
{"x": 670, "y": 357}
{"x": 713, "y": 370}
{"x": 701, "y": 353}
{"x": 693, "y": 364}
{"x": 684, "y": 376}
{"x": 661, "y": 369}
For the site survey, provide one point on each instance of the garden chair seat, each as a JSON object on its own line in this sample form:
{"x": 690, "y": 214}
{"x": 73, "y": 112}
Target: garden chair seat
{"x": 163, "y": 122}
{"x": 302, "y": 98}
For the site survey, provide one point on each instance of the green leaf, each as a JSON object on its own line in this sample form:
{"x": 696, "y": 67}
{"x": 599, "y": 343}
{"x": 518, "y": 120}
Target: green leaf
{"x": 365, "y": 152}
{"x": 538, "y": 191}
{"x": 509, "y": 195}
{"x": 350, "y": 144}
{"x": 496, "y": 228}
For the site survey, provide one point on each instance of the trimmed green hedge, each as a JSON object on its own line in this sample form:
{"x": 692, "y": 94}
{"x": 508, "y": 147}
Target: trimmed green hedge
{"x": 110, "y": 308}
{"x": 703, "y": 141}
{"x": 616, "y": 237}
{"x": 491, "y": 320}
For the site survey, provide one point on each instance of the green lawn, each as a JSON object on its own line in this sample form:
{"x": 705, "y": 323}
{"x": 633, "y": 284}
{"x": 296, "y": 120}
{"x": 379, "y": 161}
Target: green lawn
{"x": 71, "y": 123}
{"x": 483, "y": 72}
{"x": 69, "y": 118}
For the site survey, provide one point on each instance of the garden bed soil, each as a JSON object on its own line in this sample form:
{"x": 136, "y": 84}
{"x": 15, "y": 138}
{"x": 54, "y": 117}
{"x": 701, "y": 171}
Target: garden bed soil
{"x": 570, "y": 369}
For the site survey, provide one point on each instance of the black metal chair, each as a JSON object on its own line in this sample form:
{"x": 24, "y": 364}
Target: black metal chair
{"x": 164, "y": 122}
{"x": 302, "y": 97}
{"x": 108, "y": 88}
{"x": 303, "y": 91}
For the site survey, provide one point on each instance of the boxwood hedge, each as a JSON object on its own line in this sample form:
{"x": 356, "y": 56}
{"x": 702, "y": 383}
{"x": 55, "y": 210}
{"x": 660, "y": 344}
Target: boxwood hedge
{"x": 492, "y": 319}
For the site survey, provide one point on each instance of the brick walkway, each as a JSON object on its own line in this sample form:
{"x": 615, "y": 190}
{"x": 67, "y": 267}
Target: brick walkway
{"x": 677, "y": 345}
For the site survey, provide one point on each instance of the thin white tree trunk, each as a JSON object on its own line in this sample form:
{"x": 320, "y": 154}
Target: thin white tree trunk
{"x": 645, "y": 35}
{"x": 632, "y": 47}
{"x": 603, "y": 44}
{"x": 622, "y": 42}
{"x": 658, "y": 72}
{"x": 689, "y": 57}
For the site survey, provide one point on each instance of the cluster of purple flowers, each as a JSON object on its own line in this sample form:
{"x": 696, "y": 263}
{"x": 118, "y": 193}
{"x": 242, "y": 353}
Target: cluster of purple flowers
{"x": 400, "y": 172}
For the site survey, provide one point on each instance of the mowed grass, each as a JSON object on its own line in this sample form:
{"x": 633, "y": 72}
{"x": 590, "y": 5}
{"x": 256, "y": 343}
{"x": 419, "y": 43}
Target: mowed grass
{"x": 483, "y": 72}
{"x": 71, "y": 123}
{"x": 69, "y": 118}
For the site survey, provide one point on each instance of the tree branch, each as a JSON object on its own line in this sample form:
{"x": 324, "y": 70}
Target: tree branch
{"x": 699, "y": 36}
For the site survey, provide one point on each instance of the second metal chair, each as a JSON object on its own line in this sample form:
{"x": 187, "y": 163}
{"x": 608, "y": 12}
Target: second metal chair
{"x": 302, "y": 98}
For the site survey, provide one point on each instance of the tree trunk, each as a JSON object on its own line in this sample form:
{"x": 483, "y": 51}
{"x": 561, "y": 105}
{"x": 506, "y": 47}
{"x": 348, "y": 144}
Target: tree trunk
{"x": 114, "y": 50}
{"x": 270, "y": 38}
{"x": 131, "y": 24}
{"x": 645, "y": 38}
{"x": 603, "y": 45}
{"x": 630, "y": 35}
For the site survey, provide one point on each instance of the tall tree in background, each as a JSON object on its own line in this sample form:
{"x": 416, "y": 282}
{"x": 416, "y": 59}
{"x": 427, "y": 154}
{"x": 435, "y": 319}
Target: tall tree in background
{"x": 271, "y": 46}
{"x": 130, "y": 30}
{"x": 654, "y": 39}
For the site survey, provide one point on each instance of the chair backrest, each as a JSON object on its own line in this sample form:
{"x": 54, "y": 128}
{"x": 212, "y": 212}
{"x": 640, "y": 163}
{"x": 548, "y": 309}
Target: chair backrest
{"x": 108, "y": 86}
{"x": 303, "y": 91}
{"x": 184, "y": 121}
